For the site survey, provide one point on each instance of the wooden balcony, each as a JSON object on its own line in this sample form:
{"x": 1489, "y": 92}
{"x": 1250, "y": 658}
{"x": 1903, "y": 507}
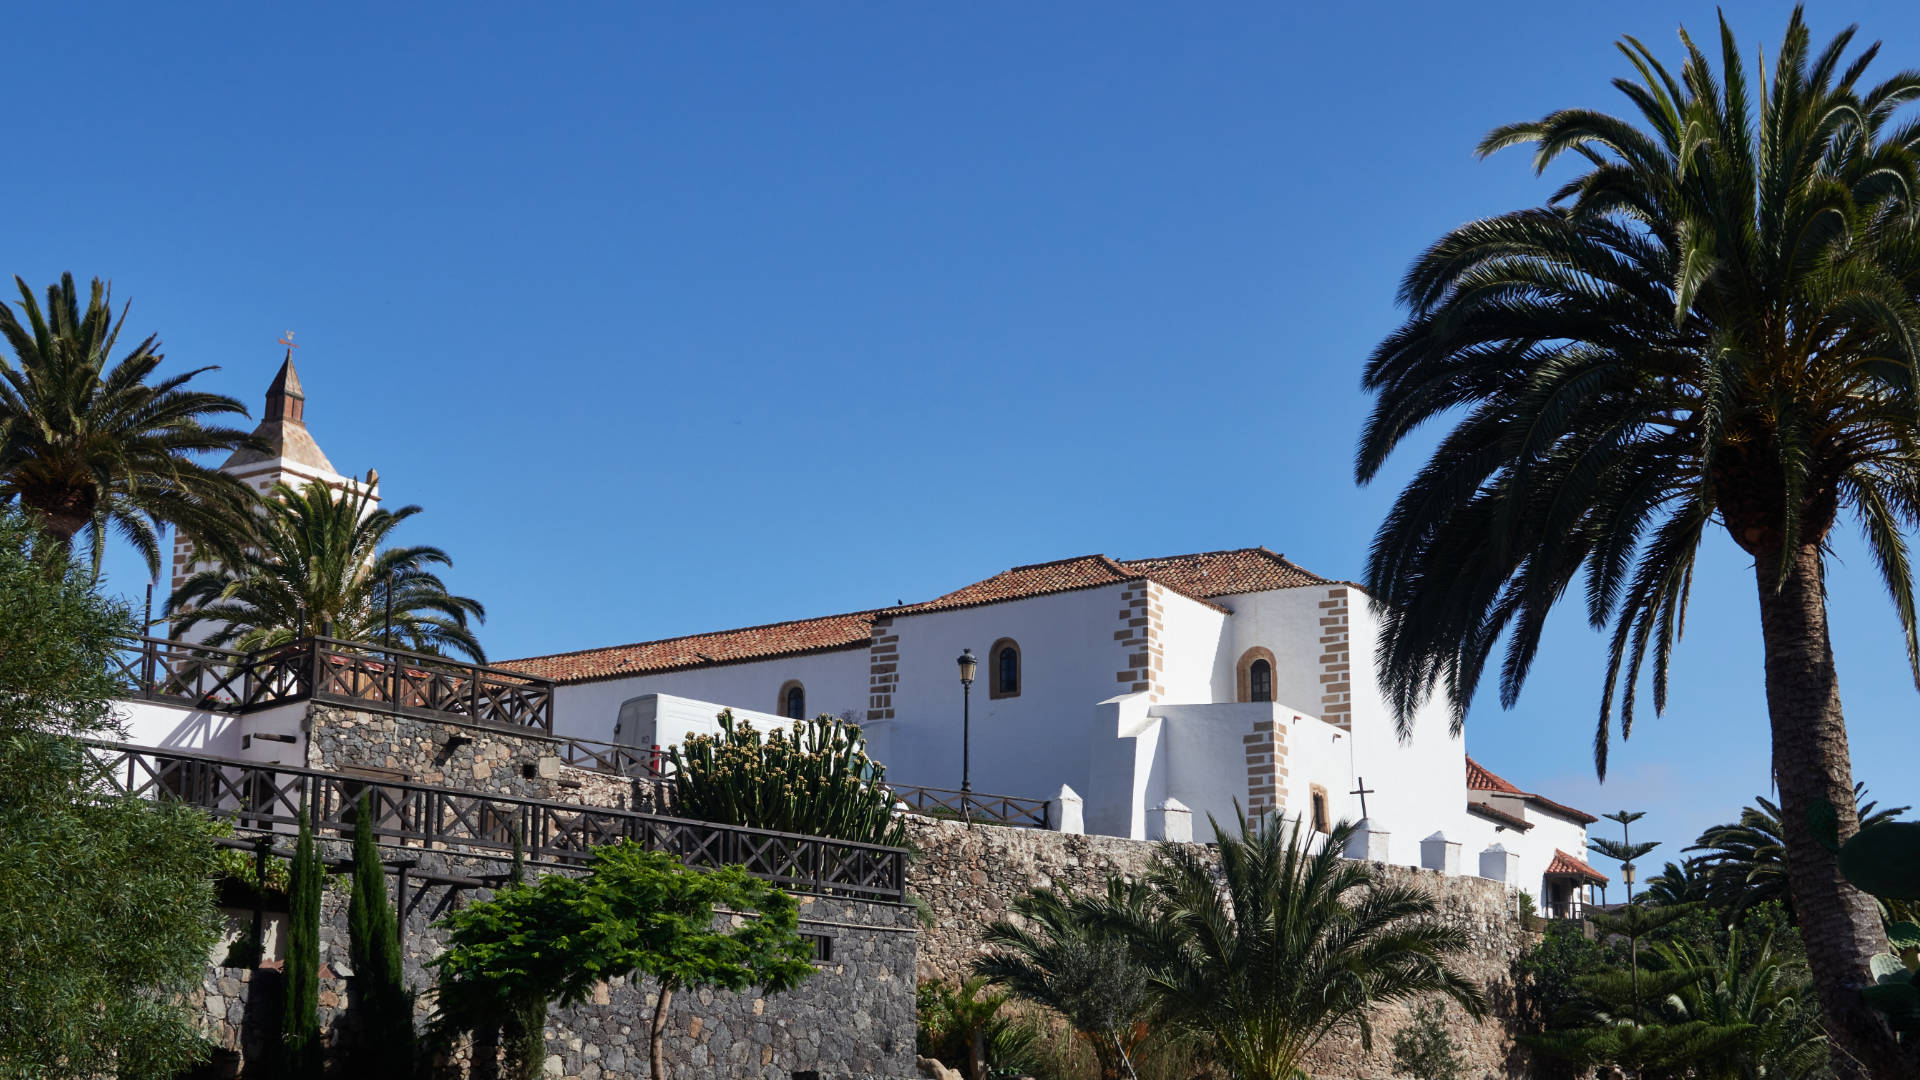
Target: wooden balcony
{"x": 337, "y": 672}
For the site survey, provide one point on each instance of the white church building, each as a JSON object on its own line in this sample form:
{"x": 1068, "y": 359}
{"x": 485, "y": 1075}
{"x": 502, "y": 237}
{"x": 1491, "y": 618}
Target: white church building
{"x": 1150, "y": 693}
{"x": 1139, "y": 697}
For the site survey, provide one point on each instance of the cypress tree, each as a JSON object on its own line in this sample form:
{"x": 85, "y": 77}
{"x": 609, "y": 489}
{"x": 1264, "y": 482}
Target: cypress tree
{"x": 299, "y": 1010}
{"x": 373, "y": 946}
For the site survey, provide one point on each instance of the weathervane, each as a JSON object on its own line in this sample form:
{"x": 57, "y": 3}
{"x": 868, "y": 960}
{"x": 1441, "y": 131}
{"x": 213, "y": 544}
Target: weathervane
{"x": 288, "y": 341}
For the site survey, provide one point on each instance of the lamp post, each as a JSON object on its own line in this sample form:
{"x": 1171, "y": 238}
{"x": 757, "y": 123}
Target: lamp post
{"x": 968, "y": 665}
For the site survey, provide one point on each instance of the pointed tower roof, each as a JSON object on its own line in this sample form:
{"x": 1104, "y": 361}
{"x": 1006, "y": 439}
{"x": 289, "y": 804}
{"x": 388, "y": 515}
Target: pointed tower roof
{"x": 283, "y": 425}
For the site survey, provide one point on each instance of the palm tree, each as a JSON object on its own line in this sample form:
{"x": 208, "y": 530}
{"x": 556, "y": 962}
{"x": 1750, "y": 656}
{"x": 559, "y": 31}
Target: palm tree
{"x": 1680, "y": 883}
{"x": 315, "y": 566}
{"x": 87, "y": 444}
{"x": 1066, "y": 955}
{"x": 1285, "y": 942}
{"x": 1745, "y": 862}
{"x": 1713, "y": 323}
{"x": 1759, "y": 994}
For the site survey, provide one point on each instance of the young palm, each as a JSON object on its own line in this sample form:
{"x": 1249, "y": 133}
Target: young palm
{"x": 1748, "y": 987}
{"x": 315, "y": 565}
{"x": 1286, "y": 943}
{"x": 87, "y": 444}
{"x": 1066, "y": 955}
{"x": 1713, "y": 323}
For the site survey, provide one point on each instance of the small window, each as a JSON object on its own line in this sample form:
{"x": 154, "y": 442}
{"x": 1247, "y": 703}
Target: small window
{"x": 793, "y": 700}
{"x": 1322, "y": 822}
{"x": 1004, "y": 678}
{"x": 1254, "y": 675}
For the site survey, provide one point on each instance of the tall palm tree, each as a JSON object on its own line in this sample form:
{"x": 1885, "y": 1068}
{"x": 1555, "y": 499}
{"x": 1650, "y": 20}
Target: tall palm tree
{"x": 1745, "y": 862}
{"x": 1285, "y": 942}
{"x": 1066, "y": 955}
{"x": 88, "y": 444}
{"x": 315, "y": 566}
{"x": 1714, "y": 322}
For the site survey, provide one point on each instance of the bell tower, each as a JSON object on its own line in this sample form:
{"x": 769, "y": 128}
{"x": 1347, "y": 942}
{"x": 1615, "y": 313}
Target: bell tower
{"x": 290, "y": 457}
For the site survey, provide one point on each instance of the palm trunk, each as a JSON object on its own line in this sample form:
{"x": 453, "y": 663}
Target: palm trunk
{"x": 657, "y": 1032}
{"x": 1840, "y": 924}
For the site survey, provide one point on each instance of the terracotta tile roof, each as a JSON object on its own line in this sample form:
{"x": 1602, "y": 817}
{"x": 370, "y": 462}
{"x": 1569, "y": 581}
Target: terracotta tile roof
{"x": 1043, "y": 579}
{"x": 1223, "y": 573}
{"x": 1565, "y": 865}
{"x": 1480, "y": 778}
{"x": 795, "y": 638}
{"x": 1199, "y": 576}
{"x": 1512, "y": 821}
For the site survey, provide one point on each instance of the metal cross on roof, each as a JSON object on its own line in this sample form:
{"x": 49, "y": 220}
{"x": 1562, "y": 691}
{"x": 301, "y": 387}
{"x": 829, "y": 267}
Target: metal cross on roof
{"x": 1363, "y": 791}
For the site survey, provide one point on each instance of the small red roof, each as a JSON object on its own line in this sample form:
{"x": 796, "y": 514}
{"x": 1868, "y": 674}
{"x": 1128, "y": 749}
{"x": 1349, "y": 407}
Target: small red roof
{"x": 1565, "y": 865}
{"x": 794, "y": 638}
{"x": 1480, "y": 778}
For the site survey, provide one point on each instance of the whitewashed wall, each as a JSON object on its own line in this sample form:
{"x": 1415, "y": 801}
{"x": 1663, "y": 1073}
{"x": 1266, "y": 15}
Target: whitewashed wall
{"x": 1196, "y": 660}
{"x": 834, "y": 681}
{"x": 662, "y": 720}
{"x": 174, "y": 727}
{"x": 1286, "y": 621}
{"x": 1027, "y": 745}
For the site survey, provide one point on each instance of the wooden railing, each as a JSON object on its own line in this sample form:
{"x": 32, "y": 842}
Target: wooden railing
{"x": 341, "y": 672}
{"x": 276, "y": 797}
{"x": 973, "y": 806}
{"x": 596, "y": 756}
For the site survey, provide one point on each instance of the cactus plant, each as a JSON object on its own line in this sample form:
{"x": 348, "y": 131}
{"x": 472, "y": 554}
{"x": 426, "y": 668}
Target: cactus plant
{"x": 814, "y": 779}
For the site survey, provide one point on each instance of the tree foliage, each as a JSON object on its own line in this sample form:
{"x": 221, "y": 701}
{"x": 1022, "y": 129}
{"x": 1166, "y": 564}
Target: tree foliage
{"x": 634, "y": 913}
{"x": 89, "y": 445}
{"x": 385, "y": 1024}
{"x": 300, "y": 1048}
{"x": 813, "y": 779}
{"x": 1286, "y": 942}
{"x": 1067, "y": 954}
{"x": 316, "y": 562}
{"x": 1744, "y": 863}
{"x": 106, "y": 902}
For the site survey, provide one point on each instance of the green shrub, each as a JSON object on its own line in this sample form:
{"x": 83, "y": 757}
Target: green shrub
{"x": 814, "y": 779}
{"x": 1424, "y": 1050}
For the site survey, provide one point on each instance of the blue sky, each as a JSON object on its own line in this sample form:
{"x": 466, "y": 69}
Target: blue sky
{"x": 677, "y": 318}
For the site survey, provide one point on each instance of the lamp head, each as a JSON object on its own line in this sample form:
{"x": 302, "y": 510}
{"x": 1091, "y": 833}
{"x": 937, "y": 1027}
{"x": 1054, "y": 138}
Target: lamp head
{"x": 968, "y": 665}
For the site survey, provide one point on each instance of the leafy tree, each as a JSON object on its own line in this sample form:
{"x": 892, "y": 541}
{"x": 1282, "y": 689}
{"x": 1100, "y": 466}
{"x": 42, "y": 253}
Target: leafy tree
{"x": 1066, "y": 955}
{"x": 1285, "y": 943}
{"x": 815, "y": 779}
{"x": 1424, "y": 1050}
{"x": 1712, "y": 323}
{"x": 88, "y": 444}
{"x": 373, "y": 948}
{"x": 635, "y": 912}
{"x": 106, "y": 903}
{"x": 300, "y": 1047}
{"x": 316, "y": 564}
{"x": 1745, "y": 862}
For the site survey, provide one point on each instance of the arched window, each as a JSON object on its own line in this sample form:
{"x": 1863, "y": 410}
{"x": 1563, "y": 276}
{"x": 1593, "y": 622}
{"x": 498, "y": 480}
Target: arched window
{"x": 1003, "y": 678}
{"x": 1255, "y": 675}
{"x": 793, "y": 700}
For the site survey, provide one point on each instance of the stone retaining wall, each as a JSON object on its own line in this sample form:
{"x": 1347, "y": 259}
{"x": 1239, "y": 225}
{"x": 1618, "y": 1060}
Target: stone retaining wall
{"x": 854, "y": 1017}
{"x": 969, "y": 874}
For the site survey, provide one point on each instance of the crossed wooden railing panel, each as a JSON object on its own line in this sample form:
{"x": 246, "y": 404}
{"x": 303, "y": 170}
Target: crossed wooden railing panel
{"x": 974, "y": 806}
{"x": 341, "y": 672}
{"x": 277, "y": 797}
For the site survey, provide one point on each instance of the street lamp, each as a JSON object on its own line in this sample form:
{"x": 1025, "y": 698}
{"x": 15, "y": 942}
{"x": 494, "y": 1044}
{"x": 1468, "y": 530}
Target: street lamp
{"x": 968, "y": 665}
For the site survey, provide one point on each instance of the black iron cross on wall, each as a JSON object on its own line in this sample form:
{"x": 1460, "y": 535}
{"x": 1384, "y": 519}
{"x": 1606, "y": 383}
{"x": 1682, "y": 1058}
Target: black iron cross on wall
{"x": 1363, "y": 791}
